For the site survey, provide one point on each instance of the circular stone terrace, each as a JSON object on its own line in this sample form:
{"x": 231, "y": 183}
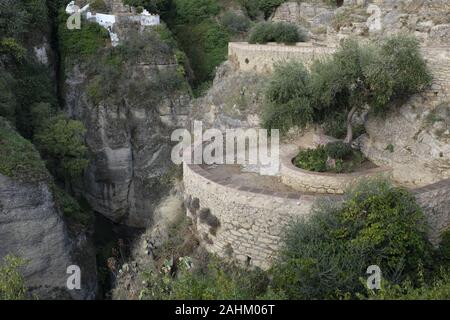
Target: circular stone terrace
{"x": 241, "y": 214}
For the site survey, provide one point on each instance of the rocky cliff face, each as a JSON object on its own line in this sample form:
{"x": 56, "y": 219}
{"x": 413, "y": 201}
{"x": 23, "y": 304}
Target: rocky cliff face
{"x": 33, "y": 228}
{"x": 234, "y": 100}
{"x": 129, "y": 128}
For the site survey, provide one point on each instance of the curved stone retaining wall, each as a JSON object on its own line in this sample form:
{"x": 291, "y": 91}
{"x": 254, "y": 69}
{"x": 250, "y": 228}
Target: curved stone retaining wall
{"x": 322, "y": 182}
{"x": 251, "y": 219}
{"x": 248, "y": 222}
{"x": 261, "y": 58}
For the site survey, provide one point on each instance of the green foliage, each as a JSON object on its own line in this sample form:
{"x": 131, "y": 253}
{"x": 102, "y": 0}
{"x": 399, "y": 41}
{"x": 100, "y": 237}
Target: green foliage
{"x": 312, "y": 159}
{"x": 218, "y": 281}
{"x": 10, "y": 47}
{"x": 338, "y": 150}
{"x": 437, "y": 289}
{"x": 62, "y": 140}
{"x": 360, "y": 75}
{"x": 267, "y": 6}
{"x": 325, "y": 256}
{"x": 78, "y": 43}
{"x": 405, "y": 64}
{"x": 390, "y": 147}
{"x": 12, "y": 284}
{"x": 206, "y": 46}
{"x": 193, "y": 11}
{"x": 287, "y": 96}
{"x": 22, "y": 18}
{"x": 18, "y": 157}
{"x": 280, "y": 32}
{"x": 444, "y": 245}
{"x": 235, "y": 23}
{"x": 335, "y": 125}
{"x": 98, "y": 6}
{"x": 71, "y": 208}
{"x": 255, "y": 8}
{"x": 8, "y": 102}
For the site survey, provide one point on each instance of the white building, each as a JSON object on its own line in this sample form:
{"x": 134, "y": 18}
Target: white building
{"x": 148, "y": 19}
{"x": 108, "y": 20}
{"x": 72, "y": 8}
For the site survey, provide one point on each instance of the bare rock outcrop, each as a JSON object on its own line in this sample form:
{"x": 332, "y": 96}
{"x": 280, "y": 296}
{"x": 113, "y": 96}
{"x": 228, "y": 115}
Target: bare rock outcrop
{"x": 128, "y": 131}
{"x": 33, "y": 228}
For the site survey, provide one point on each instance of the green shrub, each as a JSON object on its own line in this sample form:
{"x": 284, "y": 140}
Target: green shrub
{"x": 12, "y": 284}
{"x": 11, "y": 47}
{"x": 312, "y": 159}
{"x": 62, "y": 141}
{"x": 280, "y": 32}
{"x": 335, "y": 125}
{"x": 444, "y": 245}
{"x": 76, "y": 43}
{"x": 256, "y": 8}
{"x": 406, "y": 66}
{"x": 325, "y": 256}
{"x": 219, "y": 280}
{"x": 390, "y": 148}
{"x": 98, "y": 6}
{"x": 437, "y": 288}
{"x": 359, "y": 75}
{"x": 287, "y": 93}
{"x": 338, "y": 150}
{"x": 206, "y": 45}
{"x": 235, "y": 23}
{"x": 18, "y": 157}
{"x": 72, "y": 210}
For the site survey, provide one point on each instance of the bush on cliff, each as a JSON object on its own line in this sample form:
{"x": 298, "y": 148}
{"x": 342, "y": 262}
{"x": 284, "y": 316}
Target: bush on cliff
{"x": 357, "y": 76}
{"x": 288, "y": 97}
{"x": 12, "y": 284}
{"x": 325, "y": 256}
{"x": 280, "y": 32}
{"x": 19, "y": 159}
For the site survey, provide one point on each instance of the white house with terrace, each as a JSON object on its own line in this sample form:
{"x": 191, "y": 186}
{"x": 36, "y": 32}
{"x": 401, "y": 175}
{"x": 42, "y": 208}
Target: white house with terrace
{"x": 108, "y": 20}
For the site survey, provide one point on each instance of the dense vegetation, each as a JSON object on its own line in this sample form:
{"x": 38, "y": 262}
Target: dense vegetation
{"x": 324, "y": 257}
{"x": 203, "y": 28}
{"x": 12, "y": 284}
{"x": 356, "y": 77}
{"x": 279, "y": 32}
{"x": 34, "y": 133}
{"x": 336, "y": 157}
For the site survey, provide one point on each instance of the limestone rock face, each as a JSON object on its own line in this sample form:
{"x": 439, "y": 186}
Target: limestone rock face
{"x": 32, "y": 227}
{"x": 305, "y": 14}
{"x": 415, "y": 142}
{"x": 233, "y": 101}
{"x": 128, "y": 135}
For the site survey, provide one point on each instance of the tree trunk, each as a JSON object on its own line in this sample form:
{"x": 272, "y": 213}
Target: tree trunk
{"x": 349, "y": 138}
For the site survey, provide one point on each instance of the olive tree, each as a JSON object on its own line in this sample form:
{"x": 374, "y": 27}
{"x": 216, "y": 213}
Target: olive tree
{"x": 355, "y": 77}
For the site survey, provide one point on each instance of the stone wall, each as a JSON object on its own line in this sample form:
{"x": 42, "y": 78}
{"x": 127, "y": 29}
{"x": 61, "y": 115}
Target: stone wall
{"x": 251, "y": 219}
{"x": 261, "y": 58}
{"x": 435, "y": 201}
{"x": 438, "y": 60}
{"x": 322, "y": 182}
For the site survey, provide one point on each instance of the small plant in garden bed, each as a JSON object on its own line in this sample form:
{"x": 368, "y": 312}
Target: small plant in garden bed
{"x": 337, "y": 157}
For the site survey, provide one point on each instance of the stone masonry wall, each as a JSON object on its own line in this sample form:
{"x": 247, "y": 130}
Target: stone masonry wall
{"x": 435, "y": 201}
{"x": 261, "y": 58}
{"x": 322, "y": 182}
{"x": 250, "y": 221}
